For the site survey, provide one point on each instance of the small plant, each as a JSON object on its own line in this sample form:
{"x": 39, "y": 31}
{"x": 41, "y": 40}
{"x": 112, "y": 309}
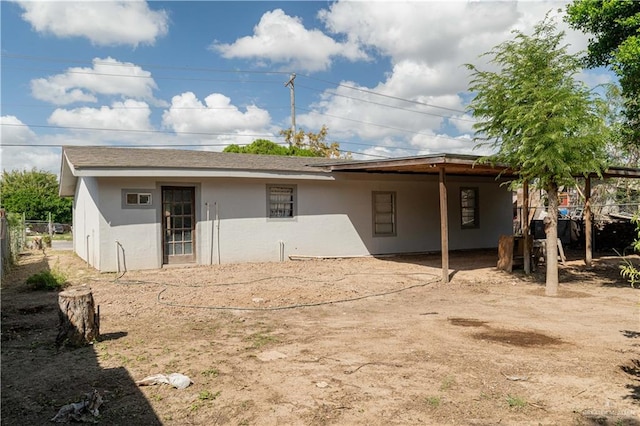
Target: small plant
{"x": 47, "y": 280}
{"x": 516, "y": 402}
{"x": 259, "y": 340}
{"x": 433, "y": 401}
{"x": 206, "y": 395}
{"x": 212, "y": 372}
{"x": 46, "y": 240}
{"x": 628, "y": 270}
{"x": 447, "y": 383}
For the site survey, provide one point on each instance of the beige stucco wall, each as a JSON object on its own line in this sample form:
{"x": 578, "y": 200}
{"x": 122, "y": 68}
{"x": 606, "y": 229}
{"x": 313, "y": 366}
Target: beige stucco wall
{"x": 334, "y": 218}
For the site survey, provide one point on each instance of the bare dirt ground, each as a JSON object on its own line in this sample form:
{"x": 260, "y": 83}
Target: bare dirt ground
{"x": 331, "y": 342}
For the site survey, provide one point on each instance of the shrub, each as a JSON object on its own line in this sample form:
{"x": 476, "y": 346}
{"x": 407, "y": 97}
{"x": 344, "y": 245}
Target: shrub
{"x": 47, "y": 280}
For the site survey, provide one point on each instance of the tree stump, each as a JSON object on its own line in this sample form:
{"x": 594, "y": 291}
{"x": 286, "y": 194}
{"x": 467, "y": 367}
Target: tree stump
{"x": 79, "y": 322}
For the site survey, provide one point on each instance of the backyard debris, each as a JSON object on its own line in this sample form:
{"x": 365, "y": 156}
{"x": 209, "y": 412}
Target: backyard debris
{"x": 177, "y": 380}
{"x": 85, "y": 411}
{"x": 322, "y": 385}
{"x": 516, "y": 378}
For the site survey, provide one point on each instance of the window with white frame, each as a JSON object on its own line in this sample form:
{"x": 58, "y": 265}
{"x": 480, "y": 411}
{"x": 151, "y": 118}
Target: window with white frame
{"x": 384, "y": 214}
{"x": 281, "y": 201}
{"x": 138, "y": 198}
{"x": 469, "y": 207}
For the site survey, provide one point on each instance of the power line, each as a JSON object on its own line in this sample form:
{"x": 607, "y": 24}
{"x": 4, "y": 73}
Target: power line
{"x": 217, "y": 70}
{"x": 371, "y": 92}
{"x": 103, "y": 74}
{"x": 128, "y": 64}
{"x": 167, "y": 132}
{"x": 387, "y": 105}
{"x": 103, "y": 129}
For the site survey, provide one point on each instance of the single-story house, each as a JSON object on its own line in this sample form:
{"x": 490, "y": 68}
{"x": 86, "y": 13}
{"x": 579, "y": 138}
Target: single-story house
{"x": 145, "y": 208}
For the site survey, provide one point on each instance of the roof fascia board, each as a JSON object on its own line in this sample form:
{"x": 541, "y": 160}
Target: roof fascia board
{"x": 111, "y": 172}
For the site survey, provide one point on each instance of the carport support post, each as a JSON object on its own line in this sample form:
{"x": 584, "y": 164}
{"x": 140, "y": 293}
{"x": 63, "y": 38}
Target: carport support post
{"x": 444, "y": 227}
{"x": 525, "y": 227}
{"x": 587, "y": 221}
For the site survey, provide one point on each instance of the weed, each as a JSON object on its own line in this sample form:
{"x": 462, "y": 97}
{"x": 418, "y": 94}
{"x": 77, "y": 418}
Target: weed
{"x": 195, "y": 406}
{"x": 123, "y": 359}
{"x": 212, "y": 372}
{"x": 205, "y": 395}
{"x": 433, "y": 401}
{"x": 516, "y": 401}
{"x": 447, "y": 383}
{"x": 258, "y": 340}
{"x": 47, "y": 280}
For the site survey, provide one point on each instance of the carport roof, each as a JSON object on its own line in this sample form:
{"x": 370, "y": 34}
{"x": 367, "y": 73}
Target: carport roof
{"x": 454, "y": 164}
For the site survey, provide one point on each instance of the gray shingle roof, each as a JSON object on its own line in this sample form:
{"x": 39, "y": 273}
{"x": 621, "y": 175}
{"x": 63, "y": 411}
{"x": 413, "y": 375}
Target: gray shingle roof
{"x": 88, "y": 157}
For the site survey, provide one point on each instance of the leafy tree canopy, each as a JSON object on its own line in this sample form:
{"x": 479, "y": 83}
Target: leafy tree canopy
{"x": 615, "y": 25}
{"x": 34, "y": 193}
{"x": 301, "y": 144}
{"x": 539, "y": 119}
{"x": 535, "y": 113}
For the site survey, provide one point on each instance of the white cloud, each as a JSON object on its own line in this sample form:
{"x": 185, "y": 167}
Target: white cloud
{"x": 127, "y": 115}
{"x": 104, "y": 23}
{"x": 28, "y": 154}
{"x": 282, "y": 39}
{"x": 14, "y": 131}
{"x": 107, "y": 77}
{"x": 428, "y": 44}
{"x": 217, "y": 115}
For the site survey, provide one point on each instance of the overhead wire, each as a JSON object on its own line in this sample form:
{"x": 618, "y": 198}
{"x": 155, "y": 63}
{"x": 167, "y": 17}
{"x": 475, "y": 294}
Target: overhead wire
{"x": 200, "y": 69}
{"x": 166, "y": 286}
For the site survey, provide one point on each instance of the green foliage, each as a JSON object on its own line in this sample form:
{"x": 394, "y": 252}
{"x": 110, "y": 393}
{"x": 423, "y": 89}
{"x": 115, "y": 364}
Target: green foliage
{"x": 206, "y": 395}
{"x": 302, "y": 144}
{"x": 47, "y": 280}
{"x": 539, "y": 119}
{"x": 313, "y": 144}
{"x": 627, "y": 269}
{"x": 535, "y": 113}
{"x": 212, "y": 372}
{"x": 266, "y": 147}
{"x": 516, "y": 402}
{"x": 34, "y": 193}
{"x": 615, "y": 26}
{"x": 433, "y": 401}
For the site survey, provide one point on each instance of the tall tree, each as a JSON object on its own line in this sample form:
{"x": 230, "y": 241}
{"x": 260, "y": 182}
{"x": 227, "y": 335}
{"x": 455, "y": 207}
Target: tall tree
{"x": 301, "y": 144}
{"x": 615, "y": 25}
{"x": 34, "y": 193}
{"x": 539, "y": 119}
{"x": 315, "y": 142}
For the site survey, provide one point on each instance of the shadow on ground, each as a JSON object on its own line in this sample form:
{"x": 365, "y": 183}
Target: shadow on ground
{"x": 38, "y": 378}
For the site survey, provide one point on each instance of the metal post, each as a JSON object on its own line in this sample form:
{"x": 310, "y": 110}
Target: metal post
{"x": 291, "y": 86}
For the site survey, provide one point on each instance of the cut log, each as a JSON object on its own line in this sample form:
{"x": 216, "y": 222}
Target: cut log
{"x": 79, "y": 322}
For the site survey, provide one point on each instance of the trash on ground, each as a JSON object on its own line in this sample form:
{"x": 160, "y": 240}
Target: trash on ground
{"x": 177, "y": 380}
{"x": 85, "y": 411}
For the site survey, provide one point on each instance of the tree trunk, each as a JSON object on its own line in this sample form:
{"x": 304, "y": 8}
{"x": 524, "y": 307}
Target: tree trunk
{"x": 551, "y": 231}
{"x": 79, "y": 323}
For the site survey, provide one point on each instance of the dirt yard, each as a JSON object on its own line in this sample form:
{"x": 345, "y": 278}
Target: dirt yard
{"x": 331, "y": 342}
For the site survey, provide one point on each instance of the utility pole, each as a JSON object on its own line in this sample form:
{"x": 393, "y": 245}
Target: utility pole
{"x": 293, "y": 106}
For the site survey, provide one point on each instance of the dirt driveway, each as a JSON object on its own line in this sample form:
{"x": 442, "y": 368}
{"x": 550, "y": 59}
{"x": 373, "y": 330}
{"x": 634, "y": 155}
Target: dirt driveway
{"x": 331, "y": 342}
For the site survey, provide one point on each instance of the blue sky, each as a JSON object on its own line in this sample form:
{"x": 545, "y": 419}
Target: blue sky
{"x": 386, "y": 78}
